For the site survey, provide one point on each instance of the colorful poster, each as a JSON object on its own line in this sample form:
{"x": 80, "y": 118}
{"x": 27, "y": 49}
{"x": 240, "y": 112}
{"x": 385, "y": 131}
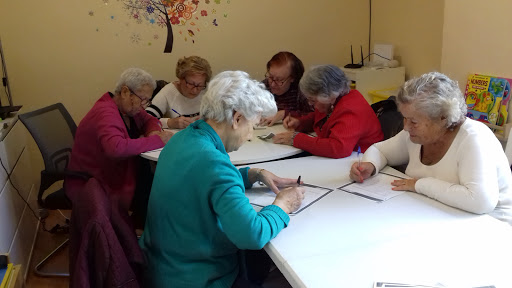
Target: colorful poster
{"x": 487, "y": 98}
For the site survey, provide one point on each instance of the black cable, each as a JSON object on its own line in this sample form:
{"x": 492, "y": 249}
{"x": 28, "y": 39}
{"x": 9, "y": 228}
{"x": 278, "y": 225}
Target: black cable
{"x": 56, "y": 228}
{"x": 370, "y": 32}
{"x": 373, "y": 54}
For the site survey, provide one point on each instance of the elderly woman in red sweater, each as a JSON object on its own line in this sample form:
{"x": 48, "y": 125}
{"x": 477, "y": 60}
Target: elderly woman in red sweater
{"x": 114, "y": 132}
{"x": 343, "y": 120}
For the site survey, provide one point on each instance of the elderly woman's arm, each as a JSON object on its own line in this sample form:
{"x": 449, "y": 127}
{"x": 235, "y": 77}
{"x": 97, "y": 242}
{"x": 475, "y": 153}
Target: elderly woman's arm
{"x": 245, "y": 227}
{"x": 147, "y": 122}
{"x": 392, "y": 152}
{"x": 306, "y": 122}
{"x": 345, "y": 129}
{"x": 111, "y": 133}
{"x": 478, "y": 191}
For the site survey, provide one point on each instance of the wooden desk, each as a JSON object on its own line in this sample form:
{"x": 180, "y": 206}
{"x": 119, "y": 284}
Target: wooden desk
{"x": 253, "y": 151}
{"x": 346, "y": 241}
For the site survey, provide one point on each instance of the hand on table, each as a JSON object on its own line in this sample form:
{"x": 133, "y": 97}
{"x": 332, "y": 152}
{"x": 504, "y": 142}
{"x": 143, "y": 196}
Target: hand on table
{"x": 164, "y": 135}
{"x": 285, "y": 138}
{"x": 404, "y": 185}
{"x": 271, "y": 180}
{"x": 290, "y": 123}
{"x": 269, "y": 121}
{"x": 290, "y": 199}
{"x": 361, "y": 171}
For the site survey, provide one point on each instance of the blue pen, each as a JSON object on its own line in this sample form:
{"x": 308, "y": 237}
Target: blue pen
{"x": 176, "y": 112}
{"x": 358, "y": 154}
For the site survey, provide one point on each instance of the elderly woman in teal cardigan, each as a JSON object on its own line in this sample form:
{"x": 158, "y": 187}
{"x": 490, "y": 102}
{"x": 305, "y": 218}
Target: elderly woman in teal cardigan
{"x": 198, "y": 214}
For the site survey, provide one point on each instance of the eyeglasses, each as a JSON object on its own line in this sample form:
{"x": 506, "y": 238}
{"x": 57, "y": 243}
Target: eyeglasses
{"x": 144, "y": 102}
{"x": 271, "y": 79}
{"x": 194, "y": 86}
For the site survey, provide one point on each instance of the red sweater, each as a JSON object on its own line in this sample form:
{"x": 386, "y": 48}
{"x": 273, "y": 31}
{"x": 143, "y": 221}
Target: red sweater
{"x": 104, "y": 149}
{"x": 352, "y": 124}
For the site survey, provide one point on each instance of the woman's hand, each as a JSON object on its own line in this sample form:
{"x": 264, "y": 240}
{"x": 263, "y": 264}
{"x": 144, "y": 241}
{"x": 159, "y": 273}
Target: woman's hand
{"x": 269, "y": 121}
{"x": 290, "y": 199}
{"x": 285, "y": 138}
{"x": 404, "y": 185}
{"x": 290, "y": 123}
{"x": 180, "y": 122}
{"x": 164, "y": 135}
{"x": 270, "y": 179}
{"x": 361, "y": 171}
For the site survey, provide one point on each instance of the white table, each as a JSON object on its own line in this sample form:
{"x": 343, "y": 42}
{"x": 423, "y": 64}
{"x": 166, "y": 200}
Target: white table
{"x": 346, "y": 241}
{"x": 253, "y": 151}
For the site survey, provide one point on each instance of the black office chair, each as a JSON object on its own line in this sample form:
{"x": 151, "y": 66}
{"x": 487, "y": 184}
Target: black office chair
{"x": 391, "y": 120}
{"x": 53, "y": 130}
{"x": 159, "y": 85}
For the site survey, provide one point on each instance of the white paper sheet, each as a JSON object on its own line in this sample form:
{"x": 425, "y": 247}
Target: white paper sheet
{"x": 263, "y": 196}
{"x": 376, "y": 188}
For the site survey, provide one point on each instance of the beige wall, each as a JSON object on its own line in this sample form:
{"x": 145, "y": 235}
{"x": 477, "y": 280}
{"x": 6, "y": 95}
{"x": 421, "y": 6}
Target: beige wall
{"x": 54, "y": 52}
{"x": 477, "y": 39}
{"x": 415, "y": 28}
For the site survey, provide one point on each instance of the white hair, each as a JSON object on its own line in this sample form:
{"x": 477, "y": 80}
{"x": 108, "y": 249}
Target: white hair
{"x": 436, "y": 95}
{"x": 232, "y": 91}
{"x": 134, "y": 78}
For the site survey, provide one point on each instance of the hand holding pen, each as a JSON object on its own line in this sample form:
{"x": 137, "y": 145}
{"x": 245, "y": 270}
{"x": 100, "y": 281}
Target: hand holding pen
{"x": 274, "y": 182}
{"x": 180, "y": 122}
{"x": 361, "y": 170}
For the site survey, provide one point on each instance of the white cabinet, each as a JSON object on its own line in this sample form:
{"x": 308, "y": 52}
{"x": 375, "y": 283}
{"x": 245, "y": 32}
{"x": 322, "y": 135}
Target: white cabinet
{"x": 18, "y": 226}
{"x": 368, "y": 79}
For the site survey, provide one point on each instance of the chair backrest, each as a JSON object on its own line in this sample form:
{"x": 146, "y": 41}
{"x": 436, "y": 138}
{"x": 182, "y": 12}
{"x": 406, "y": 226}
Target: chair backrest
{"x": 159, "y": 85}
{"x": 53, "y": 129}
{"x": 391, "y": 120}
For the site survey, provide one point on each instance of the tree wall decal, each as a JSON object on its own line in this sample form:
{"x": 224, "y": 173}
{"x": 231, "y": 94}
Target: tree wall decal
{"x": 169, "y": 13}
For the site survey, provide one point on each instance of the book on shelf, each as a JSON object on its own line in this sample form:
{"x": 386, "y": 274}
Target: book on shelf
{"x": 5, "y": 273}
{"x": 487, "y": 99}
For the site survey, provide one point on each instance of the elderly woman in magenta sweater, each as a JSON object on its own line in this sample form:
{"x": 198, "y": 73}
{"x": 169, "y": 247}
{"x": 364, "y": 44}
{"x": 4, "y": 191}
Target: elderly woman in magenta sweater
{"x": 114, "y": 132}
{"x": 198, "y": 214}
{"x": 343, "y": 120}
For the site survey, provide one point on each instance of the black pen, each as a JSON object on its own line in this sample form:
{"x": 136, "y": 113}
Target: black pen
{"x": 298, "y": 181}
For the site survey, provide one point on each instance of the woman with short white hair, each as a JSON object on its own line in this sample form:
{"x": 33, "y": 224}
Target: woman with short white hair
{"x": 198, "y": 214}
{"x": 450, "y": 158}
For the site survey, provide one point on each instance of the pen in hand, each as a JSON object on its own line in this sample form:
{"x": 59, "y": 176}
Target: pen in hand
{"x": 298, "y": 181}
{"x": 359, "y": 157}
{"x": 179, "y": 115}
{"x": 359, "y": 162}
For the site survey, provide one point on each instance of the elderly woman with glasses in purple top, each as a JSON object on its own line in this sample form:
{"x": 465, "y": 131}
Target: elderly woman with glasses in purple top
{"x": 177, "y": 104}
{"x": 284, "y": 71}
{"x": 114, "y": 132}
